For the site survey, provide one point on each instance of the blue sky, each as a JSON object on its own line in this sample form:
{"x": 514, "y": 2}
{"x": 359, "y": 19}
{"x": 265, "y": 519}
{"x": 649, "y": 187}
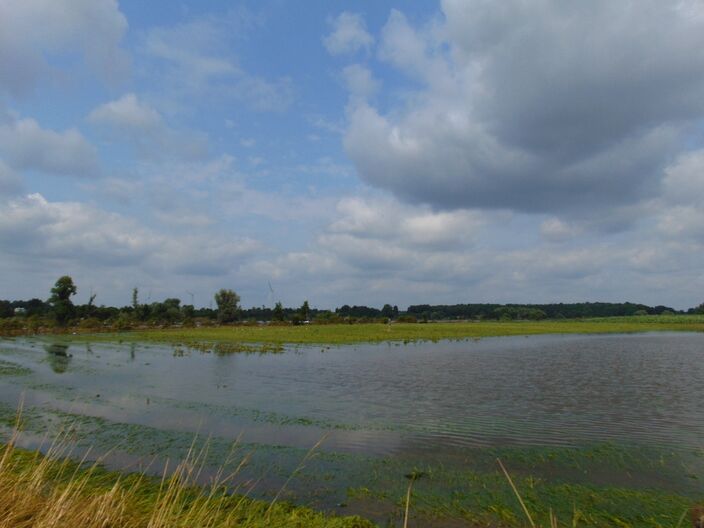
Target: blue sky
{"x": 366, "y": 152}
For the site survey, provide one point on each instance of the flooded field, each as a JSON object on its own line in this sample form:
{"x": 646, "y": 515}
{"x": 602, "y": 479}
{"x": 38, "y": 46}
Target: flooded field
{"x": 592, "y": 423}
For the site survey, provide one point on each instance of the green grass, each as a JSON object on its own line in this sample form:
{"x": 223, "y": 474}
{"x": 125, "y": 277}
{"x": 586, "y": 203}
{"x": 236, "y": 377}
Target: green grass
{"x": 340, "y": 334}
{"x": 45, "y": 492}
{"x": 603, "y": 485}
{"x": 8, "y": 368}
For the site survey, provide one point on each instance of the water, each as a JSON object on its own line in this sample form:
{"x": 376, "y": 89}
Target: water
{"x": 387, "y": 400}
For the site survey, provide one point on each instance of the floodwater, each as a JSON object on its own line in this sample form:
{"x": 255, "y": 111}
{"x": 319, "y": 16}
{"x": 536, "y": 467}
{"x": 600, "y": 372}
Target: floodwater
{"x": 384, "y": 400}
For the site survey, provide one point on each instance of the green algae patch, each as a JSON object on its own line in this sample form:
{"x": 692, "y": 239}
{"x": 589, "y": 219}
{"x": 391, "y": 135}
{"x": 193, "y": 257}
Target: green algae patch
{"x": 8, "y": 368}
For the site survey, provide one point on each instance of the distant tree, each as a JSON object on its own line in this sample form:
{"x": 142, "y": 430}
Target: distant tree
{"x": 6, "y": 309}
{"x": 278, "y": 313}
{"x": 387, "y": 311}
{"x": 228, "y": 305}
{"x": 305, "y": 310}
{"x": 135, "y": 299}
{"x": 395, "y": 311}
{"x": 60, "y": 299}
{"x": 171, "y": 310}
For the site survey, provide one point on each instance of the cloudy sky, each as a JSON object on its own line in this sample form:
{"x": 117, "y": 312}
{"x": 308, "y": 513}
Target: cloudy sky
{"x": 353, "y": 152}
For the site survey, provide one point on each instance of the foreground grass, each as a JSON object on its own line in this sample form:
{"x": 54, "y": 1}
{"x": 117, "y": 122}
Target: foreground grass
{"x": 592, "y": 487}
{"x": 340, "y": 334}
{"x": 40, "y": 492}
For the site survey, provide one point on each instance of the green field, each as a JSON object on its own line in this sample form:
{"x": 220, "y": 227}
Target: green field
{"x": 340, "y": 334}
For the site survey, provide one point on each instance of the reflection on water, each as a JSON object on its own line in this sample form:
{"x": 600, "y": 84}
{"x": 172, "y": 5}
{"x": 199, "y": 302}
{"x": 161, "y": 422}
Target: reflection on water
{"x": 57, "y": 349}
{"x": 58, "y": 356}
{"x": 540, "y": 390}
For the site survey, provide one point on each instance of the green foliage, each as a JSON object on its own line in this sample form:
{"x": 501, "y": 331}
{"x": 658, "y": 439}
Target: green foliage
{"x": 60, "y": 299}
{"x": 228, "y": 305}
{"x": 305, "y": 310}
{"x": 278, "y": 313}
{"x": 387, "y": 311}
{"x": 532, "y": 311}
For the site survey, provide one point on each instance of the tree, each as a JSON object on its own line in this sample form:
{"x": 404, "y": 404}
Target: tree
{"x": 387, "y": 311}
{"x": 305, "y": 310}
{"x": 278, "y": 314}
{"x": 228, "y": 305}
{"x": 60, "y": 299}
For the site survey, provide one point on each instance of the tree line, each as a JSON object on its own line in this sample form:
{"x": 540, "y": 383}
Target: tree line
{"x": 540, "y": 311}
{"x": 60, "y": 308}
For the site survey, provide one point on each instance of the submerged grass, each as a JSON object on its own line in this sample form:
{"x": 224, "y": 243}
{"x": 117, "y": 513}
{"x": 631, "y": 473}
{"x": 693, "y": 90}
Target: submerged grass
{"x": 7, "y": 368}
{"x": 340, "y": 334}
{"x": 40, "y": 491}
{"x": 456, "y": 492}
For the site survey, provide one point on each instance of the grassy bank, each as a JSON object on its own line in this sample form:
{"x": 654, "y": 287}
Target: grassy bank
{"x": 592, "y": 487}
{"x": 40, "y": 492}
{"x": 339, "y": 334}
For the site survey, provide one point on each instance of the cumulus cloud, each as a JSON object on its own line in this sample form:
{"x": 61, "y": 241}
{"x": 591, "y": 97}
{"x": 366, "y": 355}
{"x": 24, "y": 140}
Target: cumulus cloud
{"x": 86, "y": 236}
{"x": 25, "y": 145}
{"x": 33, "y": 226}
{"x": 349, "y": 34}
{"x": 132, "y": 120}
{"x": 359, "y": 81}
{"x": 537, "y": 108}
{"x": 127, "y": 112}
{"x": 33, "y": 31}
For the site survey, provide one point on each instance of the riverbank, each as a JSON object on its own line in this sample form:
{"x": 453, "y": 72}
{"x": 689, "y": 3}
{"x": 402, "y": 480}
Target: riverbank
{"x": 341, "y": 334}
{"x": 39, "y": 491}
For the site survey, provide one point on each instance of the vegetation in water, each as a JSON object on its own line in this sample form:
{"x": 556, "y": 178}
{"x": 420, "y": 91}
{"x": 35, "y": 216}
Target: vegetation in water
{"x": 399, "y": 332}
{"x": 45, "y": 492}
{"x": 8, "y": 368}
{"x": 595, "y": 486}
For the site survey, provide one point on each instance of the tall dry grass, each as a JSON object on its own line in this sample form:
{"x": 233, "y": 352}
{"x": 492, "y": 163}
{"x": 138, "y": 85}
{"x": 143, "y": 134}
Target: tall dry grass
{"x": 49, "y": 491}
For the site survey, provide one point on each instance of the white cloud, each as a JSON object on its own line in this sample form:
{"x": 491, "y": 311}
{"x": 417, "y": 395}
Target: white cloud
{"x": 34, "y": 31}
{"x": 359, "y": 80}
{"x": 547, "y": 108}
{"x": 196, "y": 60}
{"x": 127, "y": 112}
{"x": 349, "y": 34}
{"x": 86, "y": 237}
{"x": 38, "y": 228}
{"x": 27, "y": 146}
{"x": 132, "y": 120}
{"x": 556, "y": 230}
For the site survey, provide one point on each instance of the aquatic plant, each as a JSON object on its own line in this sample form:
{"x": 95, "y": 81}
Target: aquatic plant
{"x": 49, "y": 491}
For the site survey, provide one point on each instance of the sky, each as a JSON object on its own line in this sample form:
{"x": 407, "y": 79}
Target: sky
{"x": 358, "y": 152}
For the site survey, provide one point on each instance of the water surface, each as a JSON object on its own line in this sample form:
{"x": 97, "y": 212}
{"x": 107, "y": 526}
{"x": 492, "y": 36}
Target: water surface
{"x": 421, "y": 401}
